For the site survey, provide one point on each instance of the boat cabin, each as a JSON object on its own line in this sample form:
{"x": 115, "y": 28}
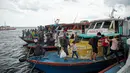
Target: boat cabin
{"x": 105, "y": 26}
{"x": 108, "y": 27}
{"x": 73, "y": 27}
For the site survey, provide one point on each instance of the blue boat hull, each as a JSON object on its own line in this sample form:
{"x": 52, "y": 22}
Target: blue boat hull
{"x": 114, "y": 67}
{"x": 83, "y": 68}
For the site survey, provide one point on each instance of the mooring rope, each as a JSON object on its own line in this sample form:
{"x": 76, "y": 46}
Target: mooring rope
{"x": 28, "y": 53}
{"x": 33, "y": 67}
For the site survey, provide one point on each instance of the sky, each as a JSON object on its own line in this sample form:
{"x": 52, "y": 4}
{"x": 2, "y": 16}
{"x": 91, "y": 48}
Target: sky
{"x": 32, "y": 13}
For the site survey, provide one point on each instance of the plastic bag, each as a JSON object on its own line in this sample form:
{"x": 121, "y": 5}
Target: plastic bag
{"x": 62, "y": 54}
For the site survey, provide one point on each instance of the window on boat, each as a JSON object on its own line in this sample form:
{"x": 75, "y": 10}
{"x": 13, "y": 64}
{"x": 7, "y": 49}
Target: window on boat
{"x": 69, "y": 27}
{"x": 120, "y": 23}
{"x": 106, "y": 24}
{"x": 87, "y": 26}
{"x": 98, "y": 25}
{"x": 77, "y": 27}
{"x": 72, "y": 27}
{"x": 92, "y": 25}
{"x": 116, "y": 26}
{"x": 83, "y": 29}
{"x": 59, "y": 28}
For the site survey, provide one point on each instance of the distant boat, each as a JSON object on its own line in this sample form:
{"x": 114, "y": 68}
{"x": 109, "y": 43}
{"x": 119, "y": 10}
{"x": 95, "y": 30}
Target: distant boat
{"x": 6, "y": 27}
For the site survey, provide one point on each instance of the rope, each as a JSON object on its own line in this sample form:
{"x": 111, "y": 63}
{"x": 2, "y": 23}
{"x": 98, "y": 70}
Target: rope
{"x": 33, "y": 67}
{"x": 38, "y": 57}
{"x": 34, "y": 64}
{"x": 28, "y": 53}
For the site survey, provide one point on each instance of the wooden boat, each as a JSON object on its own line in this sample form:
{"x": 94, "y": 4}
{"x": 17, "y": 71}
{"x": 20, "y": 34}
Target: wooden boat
{"x": 27, "y": 40}
{"x": 51, "y": 62}
{"x": 82, "y": 65}
{"x": 6, "y": 27}
{"x": 114, "y": 68}
{"x": 47, "y": 48}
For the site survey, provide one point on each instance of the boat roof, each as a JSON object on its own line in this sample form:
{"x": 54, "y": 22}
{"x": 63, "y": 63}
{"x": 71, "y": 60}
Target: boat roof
{"x": 107, "y": 19}
{"x": 67, "y": 24}
{"x": 90, "y": 36}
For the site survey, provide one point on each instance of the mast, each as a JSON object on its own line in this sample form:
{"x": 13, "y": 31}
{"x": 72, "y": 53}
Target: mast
{"x": 75, "y": 18}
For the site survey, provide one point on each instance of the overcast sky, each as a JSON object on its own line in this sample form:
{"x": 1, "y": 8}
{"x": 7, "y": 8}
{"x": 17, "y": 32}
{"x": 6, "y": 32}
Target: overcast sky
{"x": 30, "y": 13}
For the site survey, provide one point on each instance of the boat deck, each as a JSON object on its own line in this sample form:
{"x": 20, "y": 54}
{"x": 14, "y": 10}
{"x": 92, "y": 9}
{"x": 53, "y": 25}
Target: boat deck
{"x": 51, "y": 62}
{"x": 54, "y": 57}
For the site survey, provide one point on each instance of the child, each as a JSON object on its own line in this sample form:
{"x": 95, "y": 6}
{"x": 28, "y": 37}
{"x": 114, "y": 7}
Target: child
{"x": 74, "y": 49}
{"x": 105, "y": 45}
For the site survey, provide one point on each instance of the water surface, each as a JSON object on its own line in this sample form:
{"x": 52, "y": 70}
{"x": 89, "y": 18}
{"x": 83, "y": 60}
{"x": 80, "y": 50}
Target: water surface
{"x": 11, "y": 49}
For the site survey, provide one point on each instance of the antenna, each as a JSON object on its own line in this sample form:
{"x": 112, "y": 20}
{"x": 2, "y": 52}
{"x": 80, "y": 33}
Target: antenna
{"x": 119, "y": 17}
{"x": 75, "y": 18}
{"x": 112, "y": 13}
{"x": 57, "y": 21}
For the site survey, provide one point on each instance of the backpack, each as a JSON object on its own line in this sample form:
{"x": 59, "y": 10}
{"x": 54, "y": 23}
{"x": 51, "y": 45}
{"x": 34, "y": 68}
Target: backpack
{"x": 90, "y": 42}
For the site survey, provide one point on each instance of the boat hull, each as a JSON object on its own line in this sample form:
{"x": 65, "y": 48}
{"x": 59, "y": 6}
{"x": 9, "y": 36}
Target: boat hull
{"x": 47, "y": 48}
{"x": 72, "y": 68}
{"x": 27, "y": 41}
{"x": 6, "y": 28}
{"x": 114, "y": 67}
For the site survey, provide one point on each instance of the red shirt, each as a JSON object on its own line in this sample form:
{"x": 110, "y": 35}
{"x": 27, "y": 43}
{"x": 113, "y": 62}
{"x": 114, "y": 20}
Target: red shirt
{"x": 103, "y": 41}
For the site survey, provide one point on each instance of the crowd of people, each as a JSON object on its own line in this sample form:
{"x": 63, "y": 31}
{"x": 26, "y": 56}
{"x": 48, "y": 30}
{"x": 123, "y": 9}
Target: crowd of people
{"x": 60, "y": 39}
{"x": 39, "y": 34}
{"x": 107, "y": 44}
